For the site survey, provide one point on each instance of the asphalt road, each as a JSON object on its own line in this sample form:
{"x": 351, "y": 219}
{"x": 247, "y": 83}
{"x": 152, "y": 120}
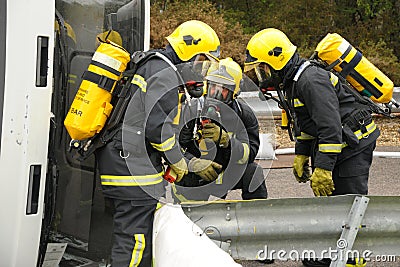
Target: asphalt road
{"x": 383, "y": 181}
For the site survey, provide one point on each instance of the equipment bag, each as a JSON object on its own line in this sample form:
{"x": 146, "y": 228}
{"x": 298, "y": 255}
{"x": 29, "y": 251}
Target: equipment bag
{"x": 340, "y": 55}
{"x": 91, "y": 106}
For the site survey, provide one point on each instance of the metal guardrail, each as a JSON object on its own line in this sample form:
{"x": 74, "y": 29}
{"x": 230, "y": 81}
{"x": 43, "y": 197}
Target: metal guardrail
{"x": 270, "y": 107}
{"x": 250, "y": 229}
{"x": 378, "y": 154}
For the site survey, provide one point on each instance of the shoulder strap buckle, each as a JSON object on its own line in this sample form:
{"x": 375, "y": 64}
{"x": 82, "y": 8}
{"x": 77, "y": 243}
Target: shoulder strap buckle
{"x": 138, "y": 56}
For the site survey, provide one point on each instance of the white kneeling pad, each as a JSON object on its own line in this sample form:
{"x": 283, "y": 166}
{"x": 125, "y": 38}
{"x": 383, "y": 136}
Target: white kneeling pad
{"x": 178, "y": 242}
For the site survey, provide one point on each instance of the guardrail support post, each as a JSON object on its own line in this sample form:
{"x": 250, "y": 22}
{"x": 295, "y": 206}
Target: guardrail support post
{"x": 350, "y": 230}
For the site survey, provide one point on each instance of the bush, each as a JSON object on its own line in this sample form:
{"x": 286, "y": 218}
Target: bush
{"x": 163, "y": 22}
{"x": 234, "y": 39}
{"x": 383, "y": 58}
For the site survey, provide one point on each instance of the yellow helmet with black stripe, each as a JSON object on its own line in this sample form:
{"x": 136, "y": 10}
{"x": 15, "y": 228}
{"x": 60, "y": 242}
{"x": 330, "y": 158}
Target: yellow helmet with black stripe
{"x": 269, "y": 46}
{"x": 194, "y": 37}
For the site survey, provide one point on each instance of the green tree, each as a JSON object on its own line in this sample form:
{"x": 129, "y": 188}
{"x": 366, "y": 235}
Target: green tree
{"x": 233, "y": 40}
{"x": 373, "y": 25}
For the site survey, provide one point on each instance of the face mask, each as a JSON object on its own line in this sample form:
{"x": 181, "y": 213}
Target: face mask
{"x": 219, "y": 92}
{"x": 263, "y": 72}
{"x": 267, "y": 77}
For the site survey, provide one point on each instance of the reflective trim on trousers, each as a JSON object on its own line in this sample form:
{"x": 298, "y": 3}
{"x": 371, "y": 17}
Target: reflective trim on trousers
{"x": 137, "y": 252}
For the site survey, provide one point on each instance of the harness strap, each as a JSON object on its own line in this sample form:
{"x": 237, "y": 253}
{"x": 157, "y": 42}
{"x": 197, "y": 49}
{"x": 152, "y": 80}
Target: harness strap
{"x": 347, "y": 68}
{"x": 296, "y": 77}
{"x": 105, "y": 67}
{"x": 358, "y": 120}
{"x": 102, "y": 81}
{"x": 300, "y": 70}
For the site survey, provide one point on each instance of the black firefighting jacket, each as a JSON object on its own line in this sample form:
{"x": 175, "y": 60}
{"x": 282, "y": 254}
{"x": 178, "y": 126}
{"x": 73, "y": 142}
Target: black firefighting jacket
{"x": 333, "y": 126}
{"x": 131, "y": 164}
{"x": 237, "y": 119}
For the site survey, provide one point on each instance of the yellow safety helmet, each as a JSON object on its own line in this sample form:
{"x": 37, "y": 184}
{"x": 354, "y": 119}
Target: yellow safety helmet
{"x": 194, "y": 37}
{"x": 226, "y": 74}
{"x": 270, "y": 46}
{"x": 70, "y": 31}
{"x": 112, "y": 36}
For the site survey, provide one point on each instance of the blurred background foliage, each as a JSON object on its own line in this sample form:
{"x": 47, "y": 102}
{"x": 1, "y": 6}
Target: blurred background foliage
{"x": 372, "y": 26}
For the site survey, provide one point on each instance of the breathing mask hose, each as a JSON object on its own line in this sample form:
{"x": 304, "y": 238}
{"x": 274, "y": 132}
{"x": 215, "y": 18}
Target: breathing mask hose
{"x": 220, "y": 128}
{"x": 293, "y": 114}
{"x": 285, "y": 106}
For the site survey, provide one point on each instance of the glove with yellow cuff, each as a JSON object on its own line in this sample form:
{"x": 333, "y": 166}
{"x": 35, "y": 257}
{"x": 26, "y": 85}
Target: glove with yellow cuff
{"x": 321, "y": 182}
{"x": 180, "y": 168}
{"x": 356, "y": 262}
{"x": 213, "y": 131}
{"x": 204, "y": 168}
{"x": 301, "y": 170}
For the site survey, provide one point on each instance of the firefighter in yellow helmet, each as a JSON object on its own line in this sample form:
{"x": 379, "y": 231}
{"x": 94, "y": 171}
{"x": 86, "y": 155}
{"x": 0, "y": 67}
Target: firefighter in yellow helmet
{"x": 224, "y": 146}
{"x": 130, "y": 165}
{"x": 194, "y": 38}
{"x": 223, "y": 80}
{"x": 193, "y": 54}
{"x": 333, "y": 129}
{"x": 112, "y": 36}
{"x": 71, "y": 37}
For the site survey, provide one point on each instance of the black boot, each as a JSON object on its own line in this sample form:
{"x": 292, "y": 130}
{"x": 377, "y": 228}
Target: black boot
{"x": 267, "y": 261}
{"x": 317, "y": 262}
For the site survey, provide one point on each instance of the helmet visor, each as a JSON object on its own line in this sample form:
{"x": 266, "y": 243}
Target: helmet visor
{"x": 263, "y": 72}
{"x": 249, "y": 67}
{"x": 202, "y": 63}
{"x": 219, "y": 91}
{"x": 215, "y": 54}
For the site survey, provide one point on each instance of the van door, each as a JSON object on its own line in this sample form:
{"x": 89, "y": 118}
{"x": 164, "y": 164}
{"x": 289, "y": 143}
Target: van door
{"x": 79, "y": 214}
{"x": 26, "y": 41}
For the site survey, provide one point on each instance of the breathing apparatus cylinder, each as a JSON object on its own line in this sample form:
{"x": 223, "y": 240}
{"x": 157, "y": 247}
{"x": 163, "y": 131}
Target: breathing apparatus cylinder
{"x": 355, "y": 68}
{"x": 91, "y": 106}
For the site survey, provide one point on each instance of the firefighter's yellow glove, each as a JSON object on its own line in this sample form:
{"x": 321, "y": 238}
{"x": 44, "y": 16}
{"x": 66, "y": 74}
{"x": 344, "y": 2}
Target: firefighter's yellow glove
{"x": 321, "y": 182}
{"x": 204, "y": 168}
{"x": 180, "y": 168}
{"x": 213, "y": 131}
{"x": 301, "y": 170}
{"x": 357, "y": 262}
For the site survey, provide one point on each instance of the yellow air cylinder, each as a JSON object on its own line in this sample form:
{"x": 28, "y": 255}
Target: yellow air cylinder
{"x": 91, "y": 106}
{"x": 284, "y": 120}
{"x": 352, "y": 65}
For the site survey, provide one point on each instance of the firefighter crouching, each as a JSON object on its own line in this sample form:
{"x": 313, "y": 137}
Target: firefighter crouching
{"x": 221, "y": 138}
{"x": 130, "y": 165}
{"x": 332, "y": 128}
